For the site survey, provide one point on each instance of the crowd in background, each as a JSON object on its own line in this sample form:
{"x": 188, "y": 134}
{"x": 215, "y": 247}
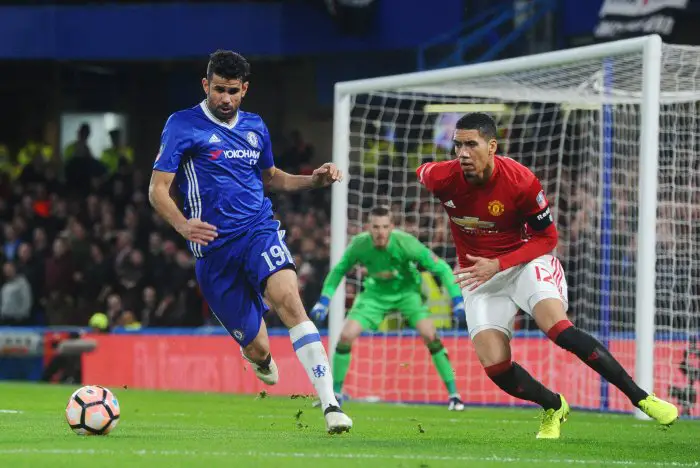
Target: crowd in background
{"x": 81, "y": 239}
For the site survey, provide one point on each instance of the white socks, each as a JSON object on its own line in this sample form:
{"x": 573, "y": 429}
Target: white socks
{"x": 307, "y": 345}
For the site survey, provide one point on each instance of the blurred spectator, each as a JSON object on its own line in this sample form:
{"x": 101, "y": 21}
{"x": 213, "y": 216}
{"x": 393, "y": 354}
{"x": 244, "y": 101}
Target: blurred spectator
{"x": 81, "y": 167}
{"x": 91, "y": 214}
{"x": 79, "y": 147}
{"x": 78, "y": 244}
{"x": 60, "y": 309}
{"x": 15, "y": 296}
{"x": 11, "y": 243}
{"x": 41, "y": 243}
{"x": 31, "y": 268}
{"x": 128, "y": 321}
{"x": 95, "y": 282}
{"x": 34, "y": 172}
{"x": 114, "y": 308}
{"x": 184, "y": 293}
{"x": 118, "y": 154}
{"x": 59, "y": 269}
{"x": 132, "y": 277}
{"x": 298, "y": 155}
{"x": 151, "y": 313}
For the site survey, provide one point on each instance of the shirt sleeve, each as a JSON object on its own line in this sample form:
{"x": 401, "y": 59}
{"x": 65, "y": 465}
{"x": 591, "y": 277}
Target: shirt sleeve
{"x": 425, "y": 173}
{"x": 174, "y": 142}
{"x": 535, "y": 209}
{"x": 338, "y": 272}
{"x": 422, "y": 255}
{"x": 266, "y": 160}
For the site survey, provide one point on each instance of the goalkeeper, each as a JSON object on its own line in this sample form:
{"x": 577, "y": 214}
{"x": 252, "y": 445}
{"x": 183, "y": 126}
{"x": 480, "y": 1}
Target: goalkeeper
{"x": 392, "y": 283}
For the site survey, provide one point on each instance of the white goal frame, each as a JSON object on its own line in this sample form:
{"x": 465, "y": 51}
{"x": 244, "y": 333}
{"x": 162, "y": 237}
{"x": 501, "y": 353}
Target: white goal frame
{"x": 651, "y": 48}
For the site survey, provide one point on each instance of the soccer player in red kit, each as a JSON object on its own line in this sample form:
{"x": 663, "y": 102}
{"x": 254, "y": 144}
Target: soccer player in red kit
{"x": 490, "y": 200}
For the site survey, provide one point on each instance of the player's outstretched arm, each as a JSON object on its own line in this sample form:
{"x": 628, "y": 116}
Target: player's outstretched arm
{"x": 193, "y": 229}
{"x": 483, "y": 269}
{"x": 320, "y": 311}
{"x": 543, "y": 231}
{"x": 277, "y": 180}
{"x": 425, "y": 257}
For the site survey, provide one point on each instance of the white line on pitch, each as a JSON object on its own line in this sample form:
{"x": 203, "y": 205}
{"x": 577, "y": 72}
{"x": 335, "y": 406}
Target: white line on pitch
{"x": 491, "y": 459}
{"x": 461, "y": 420}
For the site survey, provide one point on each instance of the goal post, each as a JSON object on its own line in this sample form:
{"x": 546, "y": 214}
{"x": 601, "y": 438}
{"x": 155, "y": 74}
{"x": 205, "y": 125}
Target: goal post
{"x": 646, "y": 247}
{"x": 587, "y": 121}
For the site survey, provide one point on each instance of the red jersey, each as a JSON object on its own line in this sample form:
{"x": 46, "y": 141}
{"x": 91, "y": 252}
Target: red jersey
{"x": 489, "y": 220}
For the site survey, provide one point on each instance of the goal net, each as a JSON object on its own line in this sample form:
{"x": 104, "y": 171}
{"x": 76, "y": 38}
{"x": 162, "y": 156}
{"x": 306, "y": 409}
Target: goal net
{"x": 585, "y": 122}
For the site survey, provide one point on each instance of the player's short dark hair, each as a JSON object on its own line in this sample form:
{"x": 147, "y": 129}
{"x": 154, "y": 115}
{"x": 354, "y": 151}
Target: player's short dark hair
{"x": 483, "y": 123}
{"x": 229, "y": 65}
{"x": 380, "y": 210}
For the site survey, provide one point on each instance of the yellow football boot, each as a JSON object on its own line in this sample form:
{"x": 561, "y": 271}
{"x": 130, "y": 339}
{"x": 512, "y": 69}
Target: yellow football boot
{"x": 664, "y": 412}
{"x": 550, "y": 427}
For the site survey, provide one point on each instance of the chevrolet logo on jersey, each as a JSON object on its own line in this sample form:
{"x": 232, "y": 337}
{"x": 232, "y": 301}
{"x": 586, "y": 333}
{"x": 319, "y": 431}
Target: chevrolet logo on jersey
{"x": 474, "y": 225}
{"x": 386, "y": 275}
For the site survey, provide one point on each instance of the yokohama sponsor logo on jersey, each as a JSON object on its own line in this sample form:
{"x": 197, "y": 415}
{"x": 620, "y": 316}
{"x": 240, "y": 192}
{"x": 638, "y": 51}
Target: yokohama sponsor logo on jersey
{"x": 240, "y": 154}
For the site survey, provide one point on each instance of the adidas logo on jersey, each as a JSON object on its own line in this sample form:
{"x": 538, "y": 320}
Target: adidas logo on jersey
{"x": 214, "y": 138}
{"x": 449, "y": 204}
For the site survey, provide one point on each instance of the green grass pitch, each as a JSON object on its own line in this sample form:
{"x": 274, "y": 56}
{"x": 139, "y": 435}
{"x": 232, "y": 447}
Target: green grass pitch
{"x": 171, "y": 429}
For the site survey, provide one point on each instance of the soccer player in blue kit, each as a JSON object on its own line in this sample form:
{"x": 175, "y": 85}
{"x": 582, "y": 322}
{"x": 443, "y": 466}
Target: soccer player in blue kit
{"x": 221, "y": 161}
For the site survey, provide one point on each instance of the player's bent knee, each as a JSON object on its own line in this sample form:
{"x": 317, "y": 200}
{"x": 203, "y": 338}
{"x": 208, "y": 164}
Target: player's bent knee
{"x": 492, "y": 346}
{"x": 281, "y": 289}
{"x": 495, "y": 370}
{"x": 347, "y": 338}
{"x": 351, "y": 330}
{"x": 430, "y": 337}
{"x": 282, "y": 293}
{"x": 256, "y": 351}
{"x": 343, "y": 348}
{"x": 547, "y": 312}
{"x": 426, "y": 330}
{"x": 435, "y": 346}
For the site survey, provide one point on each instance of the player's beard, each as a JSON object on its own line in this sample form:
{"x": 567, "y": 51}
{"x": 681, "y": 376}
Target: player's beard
{"x": 474, "y": 177}
{"x": 471, "y": 177}
{"x": 225, "y": 115}
{"x": 381, "y": 243}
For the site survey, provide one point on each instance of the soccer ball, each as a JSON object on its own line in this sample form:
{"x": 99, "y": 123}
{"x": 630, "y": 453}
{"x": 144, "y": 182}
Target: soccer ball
{"x": 92, "y": 410}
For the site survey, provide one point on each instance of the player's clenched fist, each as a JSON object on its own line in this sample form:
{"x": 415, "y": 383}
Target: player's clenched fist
{"x": 481, "y": 270}
{"x": 326, "y": 175}
{"x": 198, "y": 231}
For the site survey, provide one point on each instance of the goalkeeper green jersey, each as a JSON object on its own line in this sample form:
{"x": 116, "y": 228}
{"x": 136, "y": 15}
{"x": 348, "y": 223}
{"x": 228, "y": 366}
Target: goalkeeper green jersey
{"x": 391, "y": 270}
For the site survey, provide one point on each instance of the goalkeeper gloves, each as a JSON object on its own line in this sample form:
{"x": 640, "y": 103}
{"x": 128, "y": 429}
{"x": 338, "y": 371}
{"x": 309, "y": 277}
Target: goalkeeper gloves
{"x": 320, "y": 310}
{"x": 458, "y": 308}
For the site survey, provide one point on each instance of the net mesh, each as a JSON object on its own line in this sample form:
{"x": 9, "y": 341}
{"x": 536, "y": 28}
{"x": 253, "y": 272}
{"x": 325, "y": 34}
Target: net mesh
{"x": 577, "y": 127}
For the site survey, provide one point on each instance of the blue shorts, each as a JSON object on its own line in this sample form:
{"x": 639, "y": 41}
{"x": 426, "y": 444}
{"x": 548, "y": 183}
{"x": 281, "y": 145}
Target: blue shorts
{"x": 232, "y": 278}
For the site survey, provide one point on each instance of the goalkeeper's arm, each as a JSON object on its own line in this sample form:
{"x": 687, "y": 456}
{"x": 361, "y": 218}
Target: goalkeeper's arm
{"x": 330, "y": 284}
{"x": 439, "y": 268}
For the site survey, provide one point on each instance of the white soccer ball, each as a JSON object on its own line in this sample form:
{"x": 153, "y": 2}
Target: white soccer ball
{"x": 92, "y": 410}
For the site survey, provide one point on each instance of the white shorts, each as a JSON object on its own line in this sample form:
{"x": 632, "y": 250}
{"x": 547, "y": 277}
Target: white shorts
{"x": 495, "y": 303}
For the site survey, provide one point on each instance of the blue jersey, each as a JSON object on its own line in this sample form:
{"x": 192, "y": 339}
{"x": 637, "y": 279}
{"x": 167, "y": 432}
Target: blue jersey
{"x": 218, "y": 169}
